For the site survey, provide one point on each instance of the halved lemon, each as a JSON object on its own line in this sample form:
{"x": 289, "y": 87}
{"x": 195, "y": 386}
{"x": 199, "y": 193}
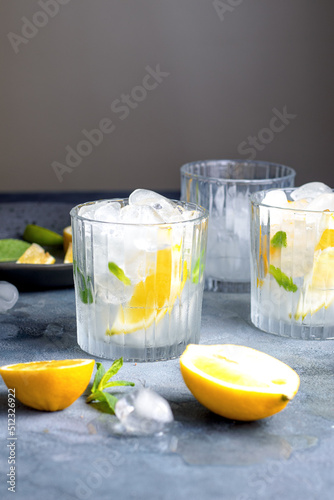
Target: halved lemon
{"x": 35, "y": 254}
{"x": 153, "y": 297}
{"x": 238, "y": 382}
{"x": 48, "y": 385}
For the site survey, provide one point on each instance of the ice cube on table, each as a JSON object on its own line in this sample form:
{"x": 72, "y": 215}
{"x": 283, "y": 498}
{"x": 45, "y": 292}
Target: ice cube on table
{"x": 310, "y": 190}
{"x": 143, "y": 411}
{"x": 8, "y": 296}
{"x": 322, "y": 202}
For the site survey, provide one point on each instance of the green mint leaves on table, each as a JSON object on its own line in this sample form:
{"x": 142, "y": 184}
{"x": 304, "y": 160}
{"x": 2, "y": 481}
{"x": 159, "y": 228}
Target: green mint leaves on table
{"x": 282, "y": 279}
{"x": 104, "y": 401}
{"x": 279, "y": 239}
{"x": 119, "y": 273}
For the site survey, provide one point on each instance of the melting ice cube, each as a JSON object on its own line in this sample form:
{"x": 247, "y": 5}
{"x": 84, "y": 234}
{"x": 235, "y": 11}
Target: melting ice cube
{"x": 310, "y": 190}
{"x": 143, "y": 411}
{"x": 275, "y": 199}
{"x": 168, "y": 210}
{"x": 108, "y": 212}
{"x": 8, "y": 296}
{"x": 322, "y": 202}
{"x": 140, "y": 214}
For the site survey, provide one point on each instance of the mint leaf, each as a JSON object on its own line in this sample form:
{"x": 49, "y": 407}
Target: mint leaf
{"x": 104, "y": 401}
{"x": 279, "y": 239}
{"x": 103, "y": 407}
{"x": 282, "y": 279}
{"x": 117, "y": 365}
{"x": 84, "y": 286}
{"x": 119, "y": 382}
{"x": 105, "y": 397}
{"x": 119, "y": 273}
{"x": 100, "y": 371}
{"x": 198, "y": 268}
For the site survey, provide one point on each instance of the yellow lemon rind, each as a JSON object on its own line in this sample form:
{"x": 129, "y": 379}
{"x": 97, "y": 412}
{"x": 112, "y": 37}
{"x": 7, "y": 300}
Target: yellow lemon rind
{"x": 237, "y": 402}
{"x": 48, "y": 385}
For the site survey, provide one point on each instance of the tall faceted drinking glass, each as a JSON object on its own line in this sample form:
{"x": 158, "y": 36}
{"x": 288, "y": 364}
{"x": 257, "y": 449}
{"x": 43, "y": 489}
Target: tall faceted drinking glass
{"x": 292, "y": 284}
{"x": 138, "y": 286}
{"x": 223, "y": 187}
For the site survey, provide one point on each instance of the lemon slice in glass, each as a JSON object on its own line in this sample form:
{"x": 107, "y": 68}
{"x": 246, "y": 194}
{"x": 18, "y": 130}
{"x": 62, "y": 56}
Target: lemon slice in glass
{"x": 153, "y": 297}
{"x": 318, "y": 289}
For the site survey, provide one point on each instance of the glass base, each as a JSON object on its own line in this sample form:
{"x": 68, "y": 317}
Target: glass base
{"x": 213, "y": 285}
{"x": 292, "y": 330}
{"x": 112, "y": 351}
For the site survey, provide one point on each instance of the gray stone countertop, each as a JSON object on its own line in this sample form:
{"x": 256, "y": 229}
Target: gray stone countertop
{"x": 78, "y": 454}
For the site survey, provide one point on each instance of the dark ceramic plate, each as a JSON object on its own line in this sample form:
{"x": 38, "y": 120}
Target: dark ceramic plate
{"x": 14, "y": 217}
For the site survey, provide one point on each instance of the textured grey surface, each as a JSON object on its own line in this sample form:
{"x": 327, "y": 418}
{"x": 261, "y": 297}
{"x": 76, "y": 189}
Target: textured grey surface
{"x": 77, "y": 453}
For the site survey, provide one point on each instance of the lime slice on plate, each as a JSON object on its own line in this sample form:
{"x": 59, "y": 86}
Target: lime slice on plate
{"x": 11, "y": 249}
{"x": 41, "y": 235}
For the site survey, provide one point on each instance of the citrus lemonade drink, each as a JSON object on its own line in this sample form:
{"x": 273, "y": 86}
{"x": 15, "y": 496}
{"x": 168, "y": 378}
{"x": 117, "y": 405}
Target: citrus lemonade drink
{"x": 292, "y": 287}
{"x": 138, "y": 271}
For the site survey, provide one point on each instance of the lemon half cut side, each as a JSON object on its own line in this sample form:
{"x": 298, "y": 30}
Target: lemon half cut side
{"x": 48, "y": 385}
{"x": 238, "y": 382}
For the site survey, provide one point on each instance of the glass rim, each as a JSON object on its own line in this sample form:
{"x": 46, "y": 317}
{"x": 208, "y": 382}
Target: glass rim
{"x": 74, "y": 213}
{"x": 247, "y": 163}
{"x": 256, "y": 203}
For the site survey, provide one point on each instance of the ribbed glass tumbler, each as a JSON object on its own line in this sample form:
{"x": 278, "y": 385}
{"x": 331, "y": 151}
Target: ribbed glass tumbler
{"x": 138, "y": 287}
{"x": 292, "y": 266}
{"x": 223, "y": 187}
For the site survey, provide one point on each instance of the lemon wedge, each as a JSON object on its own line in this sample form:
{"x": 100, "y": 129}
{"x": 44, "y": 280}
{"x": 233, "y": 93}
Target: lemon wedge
{"x": 67, "y": 237}
{"x": 48, "y": 385}
{"x": 238, "y": 382}
{"x": 318, "y": 288}
{"x": 153, "y": 297}
{"x": 35, "y": 254}
{"x": 69, "y": 254}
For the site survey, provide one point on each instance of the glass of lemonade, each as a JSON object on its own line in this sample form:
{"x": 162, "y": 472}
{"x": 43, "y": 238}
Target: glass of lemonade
{"x": 292, "y": 253}
{"x": 138, "y": 272}
{"x": 223, "y": 187}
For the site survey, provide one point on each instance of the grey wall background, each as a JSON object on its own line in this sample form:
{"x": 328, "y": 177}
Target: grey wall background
{"x": 227, "y": 73}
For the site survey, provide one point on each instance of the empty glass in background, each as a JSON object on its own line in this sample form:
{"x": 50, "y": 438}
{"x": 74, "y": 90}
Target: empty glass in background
{"x": 292, "y": 285}
{"x": 223, "y": 187}
{"x": 139, "y": 286}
